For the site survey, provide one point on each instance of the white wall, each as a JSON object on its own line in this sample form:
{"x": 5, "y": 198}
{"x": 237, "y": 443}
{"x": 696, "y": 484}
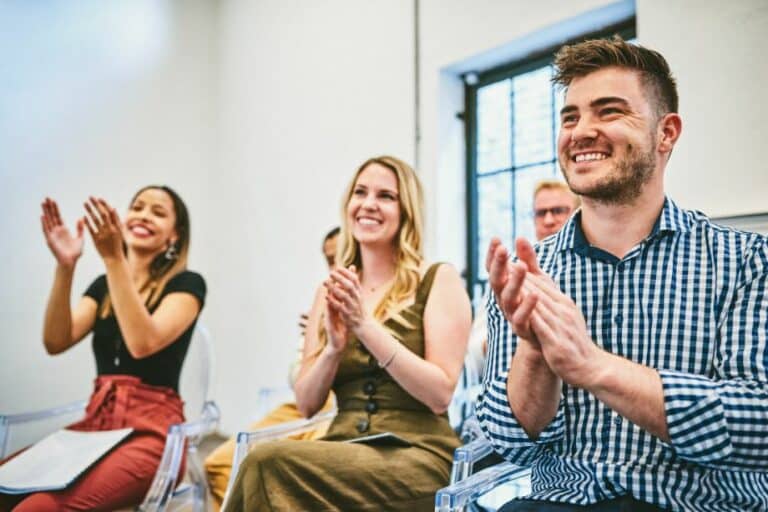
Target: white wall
{"x": 98, "y": 97}
{"x": 259, "y": 112}
{"x": 717, "y": 51}
{"x": 309, "y": 90}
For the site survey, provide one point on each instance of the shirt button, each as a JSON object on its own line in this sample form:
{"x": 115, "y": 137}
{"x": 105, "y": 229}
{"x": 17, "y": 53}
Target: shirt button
{"x": 618, "y": 319}
{"x": 371, "y": 407}
{"x": 617, "y": 420}
{"x": 620, "y": 267}
{"x": 369, "y": 388}
{"x": 362, "y": 426}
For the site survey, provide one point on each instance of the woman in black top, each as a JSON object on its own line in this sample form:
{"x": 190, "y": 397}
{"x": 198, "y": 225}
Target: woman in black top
{"x": 142, "y": 313}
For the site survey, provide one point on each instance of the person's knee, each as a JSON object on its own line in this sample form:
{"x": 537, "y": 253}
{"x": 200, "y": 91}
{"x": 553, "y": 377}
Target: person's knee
{"x": 214, "y": 465}
{"x": 40, "y": 502}
{"x": 266, "y": 456}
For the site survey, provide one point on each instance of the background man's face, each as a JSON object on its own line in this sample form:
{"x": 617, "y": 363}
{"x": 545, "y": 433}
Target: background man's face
{"x": 551, "y": 209}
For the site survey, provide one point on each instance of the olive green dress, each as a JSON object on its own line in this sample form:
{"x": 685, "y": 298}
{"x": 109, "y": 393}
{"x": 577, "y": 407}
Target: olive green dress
{"x": 329, "y": 474}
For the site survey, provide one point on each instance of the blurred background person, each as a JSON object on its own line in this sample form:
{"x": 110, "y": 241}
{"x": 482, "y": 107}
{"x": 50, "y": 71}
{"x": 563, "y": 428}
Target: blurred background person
{"x": 553, "y": 204}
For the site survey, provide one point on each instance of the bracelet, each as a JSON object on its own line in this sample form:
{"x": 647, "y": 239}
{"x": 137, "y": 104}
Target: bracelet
{"x": 384, "y": 365}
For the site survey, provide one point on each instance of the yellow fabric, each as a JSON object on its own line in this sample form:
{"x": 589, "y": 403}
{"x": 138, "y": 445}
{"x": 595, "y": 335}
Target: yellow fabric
{"x": 218, "y": 465}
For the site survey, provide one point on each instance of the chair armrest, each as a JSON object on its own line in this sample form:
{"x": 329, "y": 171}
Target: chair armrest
{"x": 471, "y": 430}
{"x": 457, "y": 496}
{"x": 181, "y": 435}
{"x": 7, "y": 420}
{"x": 246, "y": 440}
{"x": 465, "y": 457}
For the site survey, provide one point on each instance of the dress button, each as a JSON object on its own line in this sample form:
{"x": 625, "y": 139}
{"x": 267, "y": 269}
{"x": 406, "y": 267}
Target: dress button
{"x": 369, "y": 388}
{"x": 371, "y": 407}
{"x": 362, "y": 426}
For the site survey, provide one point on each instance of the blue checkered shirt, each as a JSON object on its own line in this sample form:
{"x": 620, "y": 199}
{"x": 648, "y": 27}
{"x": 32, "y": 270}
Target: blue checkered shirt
{"x": 690, "y": 301}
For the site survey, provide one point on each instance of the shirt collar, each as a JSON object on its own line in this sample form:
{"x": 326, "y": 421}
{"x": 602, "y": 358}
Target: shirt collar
{"x": 671, "y": 219}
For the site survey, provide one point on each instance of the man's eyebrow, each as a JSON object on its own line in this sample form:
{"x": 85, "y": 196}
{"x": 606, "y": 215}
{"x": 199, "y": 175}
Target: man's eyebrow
{"x": 599, "y": 102}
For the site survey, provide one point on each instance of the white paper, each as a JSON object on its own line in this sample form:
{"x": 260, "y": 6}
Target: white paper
{"x": 55, "y": 461}
{"x": 384, "y": 439}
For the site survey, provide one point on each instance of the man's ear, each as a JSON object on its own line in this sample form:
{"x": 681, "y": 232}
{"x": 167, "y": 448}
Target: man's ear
{"x": 668, "y": 131}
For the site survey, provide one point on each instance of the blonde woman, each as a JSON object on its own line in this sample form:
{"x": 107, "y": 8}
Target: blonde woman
{"x": 142, "y": 312}
{"x": 387, "y": 333}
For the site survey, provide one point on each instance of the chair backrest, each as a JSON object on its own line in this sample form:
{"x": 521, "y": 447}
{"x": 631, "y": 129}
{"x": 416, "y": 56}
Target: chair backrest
{"x": 197, "y": 372}
{"x": 462, "y": 404}
{"x": 23, "y": 429}
{"x": 470, "y": 381}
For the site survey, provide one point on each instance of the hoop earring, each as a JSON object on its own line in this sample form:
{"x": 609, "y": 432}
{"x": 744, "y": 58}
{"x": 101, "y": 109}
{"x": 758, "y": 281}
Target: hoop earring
{"x": 171, "y": 253}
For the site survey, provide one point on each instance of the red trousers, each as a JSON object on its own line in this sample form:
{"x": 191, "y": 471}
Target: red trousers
{"x": 123, "y": 476}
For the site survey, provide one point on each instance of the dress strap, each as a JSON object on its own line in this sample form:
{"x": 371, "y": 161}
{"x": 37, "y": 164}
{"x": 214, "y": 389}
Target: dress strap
{"x": 422, "y": 293}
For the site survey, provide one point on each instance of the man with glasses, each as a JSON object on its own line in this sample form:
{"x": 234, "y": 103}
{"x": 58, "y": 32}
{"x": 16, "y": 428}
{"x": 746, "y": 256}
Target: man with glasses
{"x": 553, "y": 203}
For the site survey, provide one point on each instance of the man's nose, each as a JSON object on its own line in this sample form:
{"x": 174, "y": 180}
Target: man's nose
{"x": 584, "y": 129}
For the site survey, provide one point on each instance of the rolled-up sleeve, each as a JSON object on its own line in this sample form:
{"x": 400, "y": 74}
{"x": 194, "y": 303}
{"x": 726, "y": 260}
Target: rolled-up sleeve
{"x": 493, "y": 410}
{"x": 721, "y": 421}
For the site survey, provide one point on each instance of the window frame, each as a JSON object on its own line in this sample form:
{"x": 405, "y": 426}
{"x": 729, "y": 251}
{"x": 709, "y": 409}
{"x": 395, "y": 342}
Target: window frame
{"x": 535, "y": 60}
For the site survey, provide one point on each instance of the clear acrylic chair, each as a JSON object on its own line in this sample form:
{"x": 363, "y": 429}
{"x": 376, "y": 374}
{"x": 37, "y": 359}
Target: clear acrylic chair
{"x": 246, "y": 441}
{"x": 485, "y": 490}
{"x": 164, "y": 493}
{"x": 488, "y": 489}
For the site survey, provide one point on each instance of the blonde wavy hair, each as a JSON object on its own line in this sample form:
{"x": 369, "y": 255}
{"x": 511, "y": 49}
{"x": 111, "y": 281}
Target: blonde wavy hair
{"x": 408, "y": 241}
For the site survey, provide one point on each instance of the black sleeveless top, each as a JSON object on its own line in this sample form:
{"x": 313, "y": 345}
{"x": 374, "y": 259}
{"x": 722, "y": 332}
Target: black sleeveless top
{"x": 160, "y": 369}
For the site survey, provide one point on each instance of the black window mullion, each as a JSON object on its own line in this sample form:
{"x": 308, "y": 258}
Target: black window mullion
{"x": 470, "y": 127}
{"x": 512, "y": 162}
{"x": 552, "y": 116}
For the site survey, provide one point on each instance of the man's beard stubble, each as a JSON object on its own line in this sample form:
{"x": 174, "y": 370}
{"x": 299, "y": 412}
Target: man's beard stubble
{"x": 625, "y": 183}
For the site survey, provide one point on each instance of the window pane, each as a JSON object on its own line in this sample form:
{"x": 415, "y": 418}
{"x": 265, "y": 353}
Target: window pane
{"x": 494, "y": 204}
{"x": 558, "y": 93}
{"x": 493, "y": 127}
{"x": 532, "y": 108}
{"x": 525, "y": 183}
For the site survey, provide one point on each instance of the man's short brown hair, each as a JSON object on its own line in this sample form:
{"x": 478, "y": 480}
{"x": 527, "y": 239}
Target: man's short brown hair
{"x": 580, "y": 59}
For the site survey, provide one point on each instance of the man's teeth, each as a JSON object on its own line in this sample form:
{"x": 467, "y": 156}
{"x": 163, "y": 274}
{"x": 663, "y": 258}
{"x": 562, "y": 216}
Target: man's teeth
{"x": 589, "y": 157}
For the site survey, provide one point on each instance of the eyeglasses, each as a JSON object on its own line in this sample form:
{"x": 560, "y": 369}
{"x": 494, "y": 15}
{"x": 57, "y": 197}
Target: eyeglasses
{"x": 557, "y": 211}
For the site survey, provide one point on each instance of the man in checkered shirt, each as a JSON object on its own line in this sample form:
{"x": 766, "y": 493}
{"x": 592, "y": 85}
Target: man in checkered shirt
{"x": 628, "y": 352}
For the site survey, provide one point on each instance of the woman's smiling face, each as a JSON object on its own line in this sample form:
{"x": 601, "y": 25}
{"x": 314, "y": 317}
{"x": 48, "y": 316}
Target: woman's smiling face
{"x": 373, "y": 209}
